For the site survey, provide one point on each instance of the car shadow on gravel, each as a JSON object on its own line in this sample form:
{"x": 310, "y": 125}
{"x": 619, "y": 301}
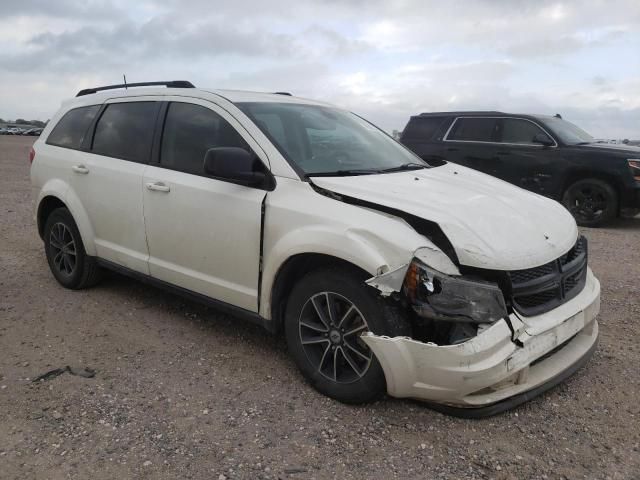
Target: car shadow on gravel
{"x": 144, "y": 296}
{"x": 625, "y": 223}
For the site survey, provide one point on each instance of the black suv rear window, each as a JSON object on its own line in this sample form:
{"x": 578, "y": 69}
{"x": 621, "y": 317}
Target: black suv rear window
{"x": 422, "y": 128}
{"x": 473, "y": 129}
{"x": 125, "y": 130}
{"x": 72, "y": 127}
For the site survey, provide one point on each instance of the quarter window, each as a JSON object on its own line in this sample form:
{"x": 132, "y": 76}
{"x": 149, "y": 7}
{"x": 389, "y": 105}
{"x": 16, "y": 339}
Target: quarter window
{"x": 189, "y": 131}
{"x": 72, "y": 127}
{"x": 474, "y": 129}
{"x": 125, "y": 130}
{"x": 519, "y": 131}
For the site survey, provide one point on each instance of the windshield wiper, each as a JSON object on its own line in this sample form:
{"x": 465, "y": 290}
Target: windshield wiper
{"x": 405, "y": 166}
{"x": 343, "y": 173}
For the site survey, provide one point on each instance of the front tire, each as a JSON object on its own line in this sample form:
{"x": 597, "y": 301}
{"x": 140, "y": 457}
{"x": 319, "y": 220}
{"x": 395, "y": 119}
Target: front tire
{"x": 591, "y": 201}
{"x": 67, "y": 258}
{"x": 326, "y": 313}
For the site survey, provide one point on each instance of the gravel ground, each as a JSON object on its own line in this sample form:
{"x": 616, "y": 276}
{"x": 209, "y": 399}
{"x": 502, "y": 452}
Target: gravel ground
{"x": 182, "y": 391}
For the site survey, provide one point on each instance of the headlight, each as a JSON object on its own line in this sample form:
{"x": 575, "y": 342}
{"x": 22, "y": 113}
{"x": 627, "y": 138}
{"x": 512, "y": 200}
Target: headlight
{"x": 634, "y": 165}
{"x": 443, "y": 297}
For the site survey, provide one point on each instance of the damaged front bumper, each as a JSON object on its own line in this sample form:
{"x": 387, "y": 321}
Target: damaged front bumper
{"x": 504, "y": 365}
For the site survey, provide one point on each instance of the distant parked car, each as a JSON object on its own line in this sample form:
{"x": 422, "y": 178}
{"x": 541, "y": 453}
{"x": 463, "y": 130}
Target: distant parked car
{"x": 544, "y": 154}
{"x": 32, "y": 132}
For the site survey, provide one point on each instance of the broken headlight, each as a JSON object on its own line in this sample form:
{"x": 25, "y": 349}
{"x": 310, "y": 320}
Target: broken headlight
{"x": 437, "y": 296}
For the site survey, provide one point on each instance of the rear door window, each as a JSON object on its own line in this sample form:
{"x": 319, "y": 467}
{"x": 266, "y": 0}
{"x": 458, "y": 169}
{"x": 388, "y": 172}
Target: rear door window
{"x": 189, "y": 131}
{"x": 72, "y": 127}
{"x": 125, "y": 131}
{"x": 474, "y": 129}
{"x": 520, "y": 131}
{"x": 422, "y": 129}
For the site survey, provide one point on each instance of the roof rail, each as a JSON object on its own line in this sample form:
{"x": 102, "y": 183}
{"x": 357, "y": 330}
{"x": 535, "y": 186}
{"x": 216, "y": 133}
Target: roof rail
{"x": 169, "y": 84}
{"x": 282, "y": 93}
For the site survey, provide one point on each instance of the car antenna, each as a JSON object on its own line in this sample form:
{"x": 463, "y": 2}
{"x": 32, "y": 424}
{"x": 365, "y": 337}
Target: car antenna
{"x": 125, "y": 81}
{"x": 557, "y": 115}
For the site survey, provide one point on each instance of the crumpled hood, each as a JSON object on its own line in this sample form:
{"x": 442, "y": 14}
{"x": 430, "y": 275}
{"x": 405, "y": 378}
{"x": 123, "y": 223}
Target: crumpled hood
{"x": 491, "y": 223}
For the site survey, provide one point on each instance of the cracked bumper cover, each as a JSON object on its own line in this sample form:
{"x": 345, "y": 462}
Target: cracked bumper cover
{"x": 490, "y": 372}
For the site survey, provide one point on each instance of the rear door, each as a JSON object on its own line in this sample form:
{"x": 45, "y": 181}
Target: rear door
{"x": 108, "y": 180}
{"x": 472, "y": 142}
{"x": 203, "y": 233}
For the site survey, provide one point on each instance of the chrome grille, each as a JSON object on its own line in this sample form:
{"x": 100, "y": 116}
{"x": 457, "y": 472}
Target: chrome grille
{"x": 540, "y": 289}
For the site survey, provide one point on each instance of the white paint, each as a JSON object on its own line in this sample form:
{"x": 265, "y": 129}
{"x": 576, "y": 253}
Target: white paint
{"x": 456, "y": 373}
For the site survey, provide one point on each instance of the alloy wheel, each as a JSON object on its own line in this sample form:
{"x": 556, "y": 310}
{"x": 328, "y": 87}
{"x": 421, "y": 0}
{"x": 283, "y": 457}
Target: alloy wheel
{"x": 63, "y": 249}
{"x": 330, "y": 327}
{"x": 588, "y": 203}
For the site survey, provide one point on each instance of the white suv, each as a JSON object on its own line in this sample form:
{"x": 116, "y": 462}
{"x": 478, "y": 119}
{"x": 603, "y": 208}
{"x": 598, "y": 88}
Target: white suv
{"x": 383, "y": 272}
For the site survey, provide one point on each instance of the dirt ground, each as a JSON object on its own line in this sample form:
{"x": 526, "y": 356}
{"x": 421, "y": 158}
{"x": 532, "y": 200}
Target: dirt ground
{"x": 182, "y": 391}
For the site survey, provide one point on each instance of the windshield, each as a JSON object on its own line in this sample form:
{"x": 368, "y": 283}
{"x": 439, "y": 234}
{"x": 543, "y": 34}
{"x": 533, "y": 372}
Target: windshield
{"x": 323, "y": 140}
{"x": 567, "y": 131}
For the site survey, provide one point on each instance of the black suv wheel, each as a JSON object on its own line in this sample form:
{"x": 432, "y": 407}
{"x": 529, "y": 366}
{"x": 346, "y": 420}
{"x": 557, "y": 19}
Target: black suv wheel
{"x": 68, "y": 261}
{"x": 591, "y": 201}
{"x": 326, "y": 313}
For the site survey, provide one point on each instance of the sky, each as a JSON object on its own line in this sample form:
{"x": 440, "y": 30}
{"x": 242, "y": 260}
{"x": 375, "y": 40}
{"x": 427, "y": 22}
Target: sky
{"x": 383, "y": 59}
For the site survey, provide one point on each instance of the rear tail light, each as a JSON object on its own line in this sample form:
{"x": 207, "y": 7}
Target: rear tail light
{"x": 32, "y": 155}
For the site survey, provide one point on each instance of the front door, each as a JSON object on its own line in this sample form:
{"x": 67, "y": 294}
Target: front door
{"x": 523, "y": 162}
{"x": 203, "y": 233}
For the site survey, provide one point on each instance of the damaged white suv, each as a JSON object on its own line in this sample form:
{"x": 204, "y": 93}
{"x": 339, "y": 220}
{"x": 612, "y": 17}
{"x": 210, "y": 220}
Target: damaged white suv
{"x": 383, "y": 272}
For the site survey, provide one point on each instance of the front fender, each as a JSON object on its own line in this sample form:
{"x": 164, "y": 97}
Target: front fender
{"x": 347, "y": 245}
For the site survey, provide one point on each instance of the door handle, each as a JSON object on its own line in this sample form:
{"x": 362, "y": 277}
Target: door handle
{"x": 158, "y": 187}
{"x": 80, "y": 169}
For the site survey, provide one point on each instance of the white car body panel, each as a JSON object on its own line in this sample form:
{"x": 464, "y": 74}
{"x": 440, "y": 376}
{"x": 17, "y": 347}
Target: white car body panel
{"x": 490, "y": 223}
{"x": 204, "y": 235}
{"x": 374, "y": 241}
{"x": 117, "y": 224}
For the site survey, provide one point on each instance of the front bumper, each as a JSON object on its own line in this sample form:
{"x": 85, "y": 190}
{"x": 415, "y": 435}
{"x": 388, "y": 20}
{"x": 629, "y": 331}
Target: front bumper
{"x": 630, "y": 200}
{"x": 485, "y": 372}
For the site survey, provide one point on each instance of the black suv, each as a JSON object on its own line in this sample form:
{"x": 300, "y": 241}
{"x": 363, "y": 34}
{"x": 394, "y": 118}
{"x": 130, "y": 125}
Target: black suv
{"x": 544, "y": 154}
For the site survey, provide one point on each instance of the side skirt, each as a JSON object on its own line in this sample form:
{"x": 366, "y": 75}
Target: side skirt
{"x": 190, "y": 295}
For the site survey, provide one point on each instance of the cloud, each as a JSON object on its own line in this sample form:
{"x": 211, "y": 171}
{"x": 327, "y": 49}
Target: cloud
{"x": 386, "y": 59}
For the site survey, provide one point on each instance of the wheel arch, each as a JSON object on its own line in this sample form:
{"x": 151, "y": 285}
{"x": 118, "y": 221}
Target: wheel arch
{"x": 51, "y": 199}
{"x": 575, "y": 175}
{"x": 47, "y": 205}
{"x": 292, "y": 270}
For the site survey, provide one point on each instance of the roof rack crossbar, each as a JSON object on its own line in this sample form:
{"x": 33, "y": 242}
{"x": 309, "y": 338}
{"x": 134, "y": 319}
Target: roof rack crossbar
{"x": 169, "y": 84}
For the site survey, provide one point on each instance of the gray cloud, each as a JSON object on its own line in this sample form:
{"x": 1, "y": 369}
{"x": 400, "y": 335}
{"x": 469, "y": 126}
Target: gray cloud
{"x": 386, "y": 59}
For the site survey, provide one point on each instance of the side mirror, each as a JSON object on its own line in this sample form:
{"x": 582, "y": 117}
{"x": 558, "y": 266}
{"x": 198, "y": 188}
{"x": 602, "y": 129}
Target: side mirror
{"x": 236, "y": 165}
{"x": 543, "y": 139}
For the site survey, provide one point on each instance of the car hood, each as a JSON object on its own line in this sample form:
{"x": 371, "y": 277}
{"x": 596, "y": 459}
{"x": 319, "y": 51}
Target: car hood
{"x": 629, "y": 151}
{"x": 490, "y": 223}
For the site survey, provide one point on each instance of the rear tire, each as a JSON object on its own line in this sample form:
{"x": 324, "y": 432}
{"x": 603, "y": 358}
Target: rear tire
{"x": 591, "y": 201}
{"x": 326, "y": 313}
{"x": 67, "y": 258}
